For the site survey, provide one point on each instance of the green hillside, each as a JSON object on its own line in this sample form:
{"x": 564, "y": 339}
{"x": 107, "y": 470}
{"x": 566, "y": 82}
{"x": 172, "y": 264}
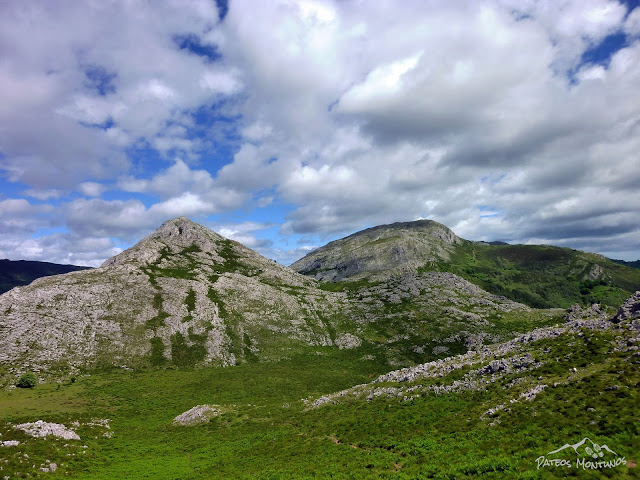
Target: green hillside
{"x": 265, "y": 429}
{"x": 541, "y": 276}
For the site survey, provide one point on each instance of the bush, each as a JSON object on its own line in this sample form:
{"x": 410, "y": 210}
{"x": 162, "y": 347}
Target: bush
{"x": 27, "y": 380}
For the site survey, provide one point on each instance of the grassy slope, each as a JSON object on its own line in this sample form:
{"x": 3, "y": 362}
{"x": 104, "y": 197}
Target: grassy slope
{"x": 541, "y": 276}
{"x": 266, "y": 433}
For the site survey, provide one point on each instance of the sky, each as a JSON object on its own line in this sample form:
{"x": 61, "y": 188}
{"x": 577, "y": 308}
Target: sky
{"x": 288, "y": 124}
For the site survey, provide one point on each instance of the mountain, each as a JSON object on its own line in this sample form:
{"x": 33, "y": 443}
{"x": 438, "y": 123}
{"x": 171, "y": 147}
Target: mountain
{"x": 632, "y": 264}
{"x": 186, "y": 296}
{"x": 380, "y": 252}
{"x": 538, "y": 275}
{"x": 416, "y": 374}
{"x": 23, "y": 272}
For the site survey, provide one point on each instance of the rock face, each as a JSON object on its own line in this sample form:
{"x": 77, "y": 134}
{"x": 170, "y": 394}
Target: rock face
{"x": 630, "y": 309}
{"x": 380, "y": 252}
{"x": 183, "y": 295}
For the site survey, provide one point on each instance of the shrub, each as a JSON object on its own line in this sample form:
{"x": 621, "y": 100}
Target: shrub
{"x": 27, "y": 380}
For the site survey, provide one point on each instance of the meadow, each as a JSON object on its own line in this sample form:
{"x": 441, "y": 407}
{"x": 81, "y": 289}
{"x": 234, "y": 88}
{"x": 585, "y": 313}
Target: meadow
{"x": 266, "y": 431}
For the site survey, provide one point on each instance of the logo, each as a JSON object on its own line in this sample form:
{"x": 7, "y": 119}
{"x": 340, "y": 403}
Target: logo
{"x": 585, "y": 455}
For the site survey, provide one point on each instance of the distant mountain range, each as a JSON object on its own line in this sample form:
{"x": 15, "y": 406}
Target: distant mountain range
{"x": 23, "y": 272}
{"x": 186, "y": 296}
{"x": 632, "y": 264}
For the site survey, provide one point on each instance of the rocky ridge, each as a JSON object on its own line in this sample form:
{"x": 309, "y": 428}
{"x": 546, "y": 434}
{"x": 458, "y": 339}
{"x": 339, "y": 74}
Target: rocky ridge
{"x": 492, "y": 363}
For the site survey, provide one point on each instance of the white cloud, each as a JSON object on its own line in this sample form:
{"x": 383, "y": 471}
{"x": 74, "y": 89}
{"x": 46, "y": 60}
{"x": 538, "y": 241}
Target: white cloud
{"x": 59, "y": 248}
{"x": 380, "y": 86}
{"x": 187, "y": 204}
{"x": 476, "y": 114}
{"x": 220, "y": 82}
{"x": 18, "y": 216}
{"x": 67, "y": 68}
{"x": 244, "y": 233}
{"x": 45, "y": 194}
{"x": 92, "y": 189}
{"x": 170, "y": 182}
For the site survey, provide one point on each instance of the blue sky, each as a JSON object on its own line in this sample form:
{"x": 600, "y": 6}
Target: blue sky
{"x": 286, "y": 124}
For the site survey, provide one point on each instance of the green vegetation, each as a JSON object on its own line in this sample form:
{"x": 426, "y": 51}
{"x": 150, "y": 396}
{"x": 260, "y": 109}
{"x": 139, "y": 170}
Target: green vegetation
{"x": 27, "y": 380}
{"x": 187, "y": 353}
{"x": 157, "y": 352}
{"x": 265, "y": 432}
{"x": 542, "y": 276}
{"x": 190, "y": 301}
{"x": 186, "y": 272}
{"x": 233, "y": 261}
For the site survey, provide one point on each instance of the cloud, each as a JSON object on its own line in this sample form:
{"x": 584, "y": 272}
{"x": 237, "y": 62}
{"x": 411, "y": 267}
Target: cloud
{"x": 92, "y": 189}
{"x": 59, "y": 248}
{"x": 170, "y": 182}
{"x": 18, "y": 216}
{"x": 494, "y": 117}
{"x": 75, "y": 96}
{"x": 244, "y": 233}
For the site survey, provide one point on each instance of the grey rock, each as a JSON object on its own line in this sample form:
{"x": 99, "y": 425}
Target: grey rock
{"x": 9, "y": 443}
{"x": 380, "y": 252}
{"x": 41, "y": 428}
{"x": 629, "y": 310}
{"x": 197, "y": 415}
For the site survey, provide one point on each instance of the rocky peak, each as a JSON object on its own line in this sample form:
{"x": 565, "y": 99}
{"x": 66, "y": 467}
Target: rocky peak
{"x": 380, "y": 252}
{"x": 184, "y": 231}
{"x": 173, "y": 236}
{"x": 183, "y": 294}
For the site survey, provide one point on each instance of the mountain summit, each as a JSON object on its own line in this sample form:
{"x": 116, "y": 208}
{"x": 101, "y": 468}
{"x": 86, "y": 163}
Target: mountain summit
{"x": 380, "y": 252}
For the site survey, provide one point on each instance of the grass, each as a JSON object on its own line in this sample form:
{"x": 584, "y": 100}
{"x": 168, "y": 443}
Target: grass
{"x": 266, "y": 433}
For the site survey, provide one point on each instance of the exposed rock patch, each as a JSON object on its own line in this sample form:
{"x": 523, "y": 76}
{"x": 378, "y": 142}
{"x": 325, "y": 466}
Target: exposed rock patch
{"x": 630, "y": 309}
{"x": 43, "y": 429}
{"x": 9, "y": 443}
{"x": 197, "y": 415}
{"x": 347, "y": 341}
